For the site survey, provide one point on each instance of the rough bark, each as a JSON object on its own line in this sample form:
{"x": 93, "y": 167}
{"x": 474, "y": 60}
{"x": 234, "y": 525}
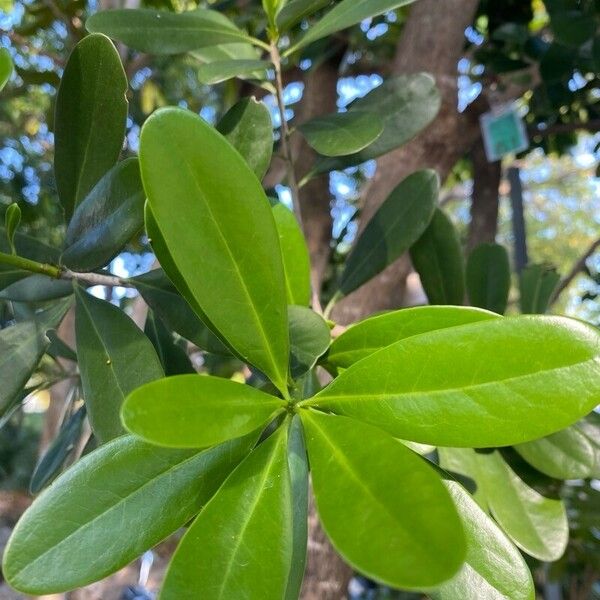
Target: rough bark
{"x": 432, "y": 41}
{"x": 485, "y": 198}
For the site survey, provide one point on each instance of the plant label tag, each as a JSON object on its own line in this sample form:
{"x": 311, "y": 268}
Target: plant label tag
{"x": 503, "y": 132}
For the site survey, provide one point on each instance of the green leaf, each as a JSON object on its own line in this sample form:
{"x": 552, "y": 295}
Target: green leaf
{"x": 173, "y": 356}
{"x": 58, "y": 452}
{"x": 438, "y": 259}
{"x": 297, "y": 10}
{"x": 494, "y": 568}
{"x": 115, "y": 357}
{"x": 196, "y": 411}
{"x": 537, "y": 284}
{"x": 162, "y": 32}
{"x": 91, "y": 110}
{"x": 373, "y": 334}
{"x": 567, "y": 454}
{"x": 590, "y": 427}
{"x": 572, "y": 27}
{"x": 110, "y": 215}
{"x": 222, "y": 70}
{"x": 342, "y": 133}
{"x": 298, "y": 468}
{"x": 251, "y": 548}
{"x": 296, "y": 260}
{"x": 415, "y": 539}
{"x": 6, "y": 67}
{"x": 208, "y": 220}
{"x": 394, "y": 228}
{"x": 494, "y": 383}
{"x": 406, "y": 103}
{"x": 74, "y": 533}
{"x": 12, "y": 220}
{"x": 164, "y": 299}
{"x": 37, "y": 288}
{"x": 462, "y": 464}
{"x": 309, "y": 339}
{"x": 345, "y": 14}
{"x": 272, "y": 8}
{"x": 223, "y": 52}
{"x": 538, "y": 525}
{"x": 248, "y": 127}
{"x": 21, "y": 349}
{"x": 488, "y": 277}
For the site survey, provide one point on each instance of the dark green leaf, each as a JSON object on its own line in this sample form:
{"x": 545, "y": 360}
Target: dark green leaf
{"x": 249, "y": 550}
{"x": 345, "y": 14}
{"x": 558, "y": 63}
{"x": 110, "y": 215}
{"x": 173, "y": 357}
{"x": 415, "y": 539}
{"x": 296, "y": 10}
{"x": 91, "y": 110}
{"x": 196, "y": 411}
{"x": 373, "y": 334}
{"x": 573, "y": 27}
{"x": 406, "y": 103}
{"x": 208, "y": 220}
{"x": 494, "y": 383}
{"x": 6, "y": 67}
{"x": 309, "y": 339}
{"x": 296, "y": 260}
{"x": 58, "y": 452}
{"x": 248, "y": 127}
{"x": 58, "y": 348}
{"x": 12, "y": 220}
{"x": 537, "y": 284}
{"x": 222, "y": 70}
{"x": 164, "y": 299}
{"x": 394, "y": 228}
{"x": 438, "y": 259}
{"x": 342, "y": 133}
{"x": 161, "y": 32}
{"x": 538, "y": 525}
{"x": 115, "y": 357}
{"x": 37, "y": 288}
{"x": 74, "y": 533}
{"x": 494, "y": 568}
{"x": 488, "y": 277}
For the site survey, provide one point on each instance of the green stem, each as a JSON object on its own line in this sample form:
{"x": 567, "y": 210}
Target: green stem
{"x": 329, "y": 308}
{"x": 30, "y": 265}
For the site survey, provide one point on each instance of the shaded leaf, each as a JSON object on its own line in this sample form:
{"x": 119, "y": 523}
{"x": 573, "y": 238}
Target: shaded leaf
{"x": 6, "y": 67}
{"x": 222, "y": 70}
{"x": 537, "y": 284}
{"x": 12, "y": 220}
{"x": 309, "y": 339}
{"x": 488, "y": 277}
{"x": 37, "y": 288}
{"x": 173, "y": 357}
{"x": 296, "y": 10}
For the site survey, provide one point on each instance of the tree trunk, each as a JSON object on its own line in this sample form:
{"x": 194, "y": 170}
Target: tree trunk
{"x": 432, "y": 40}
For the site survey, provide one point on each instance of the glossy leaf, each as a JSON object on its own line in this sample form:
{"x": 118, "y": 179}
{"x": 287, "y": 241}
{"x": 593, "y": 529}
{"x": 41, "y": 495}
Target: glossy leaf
{"x": 567, "y": 454}
{"x": 21, "y": 349}
{"x": 12, "y": 220}
{"x": 251, "y": 548}
{"x": 298, "y": 468}
{"x": 406, "y": 103}
{"x": 368, "y": 336}
{"x": 342, "y": 133}
{"x": 248, "y": 127}
{"x": 410, "y": 539}
{"x": 115, "y": 357}
{"x": 537, "y": 284}
{"x": 488, "y": 277}
{"x": 394, "y": 228}
{"x": 173, "y": 356}
{"x": 309, "y": 339}
{"x": 37, "y": 288}
{"x": 296, "y": 10}
{"x": 164, "y": 299}
{"x": 494, "y": 568}
{"x": 163, "y": 32}
{"x": 479, "y": 385}
{"x": 219, "y": 71}
{"x": 345, "y": 14}
{"x": 296, "y": 260}
{"x": 58, "y": 452}
{"x": 55, "y": 545}
{"x": 438, "y": 259}
{"x": 110, "y": 215}
{"x": 208, "y": 220}
{"x": 91, "y": 110}
{"x": 538, "y": 525}
{"x": 195, "y": 411}
{"x": 6, "y": 67}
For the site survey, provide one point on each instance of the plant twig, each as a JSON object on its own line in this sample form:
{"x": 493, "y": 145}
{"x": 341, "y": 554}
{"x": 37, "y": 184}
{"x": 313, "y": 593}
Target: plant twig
{"x": 96, "y": 278}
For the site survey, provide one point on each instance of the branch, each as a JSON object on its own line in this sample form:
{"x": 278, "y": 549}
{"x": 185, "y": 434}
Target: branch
{"x": 578, "y": 267}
